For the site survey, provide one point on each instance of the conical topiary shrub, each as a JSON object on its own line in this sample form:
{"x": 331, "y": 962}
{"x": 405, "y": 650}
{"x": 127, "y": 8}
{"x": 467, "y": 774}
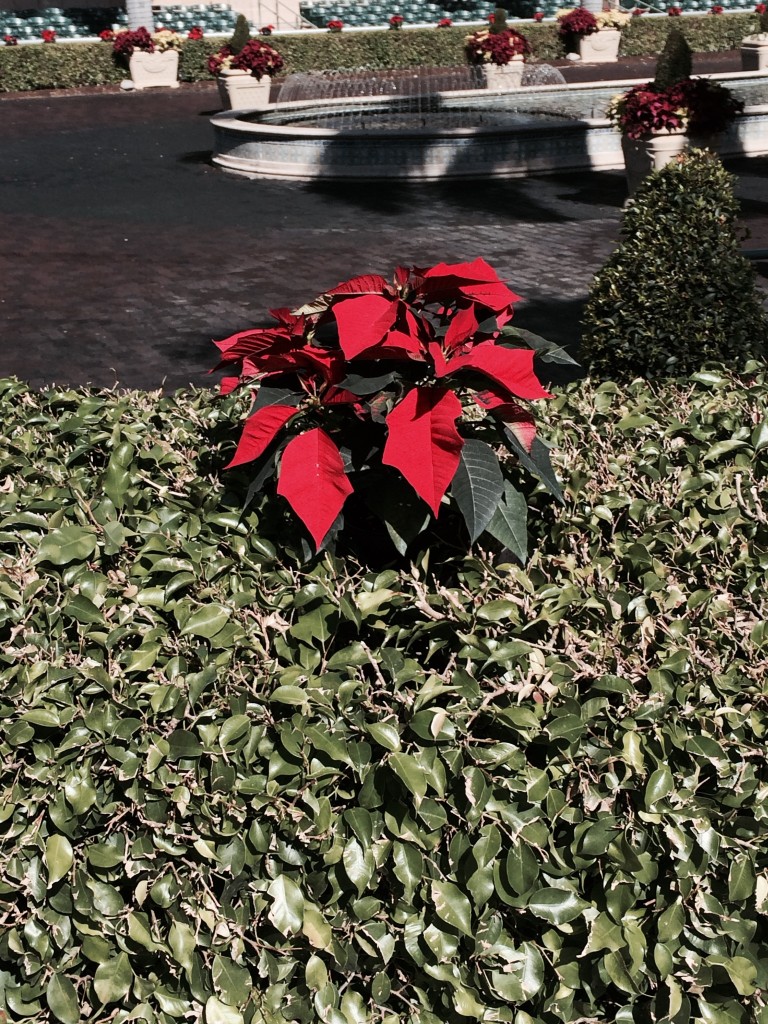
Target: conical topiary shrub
{"x": 675, "y": 61}
{"x": 241, "y": 35}
{"x": 677, "y": 292}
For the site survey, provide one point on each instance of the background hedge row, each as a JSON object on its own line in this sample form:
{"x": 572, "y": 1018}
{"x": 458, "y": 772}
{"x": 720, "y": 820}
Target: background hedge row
{"x": 69, "y": 65}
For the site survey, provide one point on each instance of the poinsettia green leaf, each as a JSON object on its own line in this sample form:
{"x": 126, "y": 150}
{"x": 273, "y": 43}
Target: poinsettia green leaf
{"x": 478, "y": 485}
{"x": 508, "y": 523}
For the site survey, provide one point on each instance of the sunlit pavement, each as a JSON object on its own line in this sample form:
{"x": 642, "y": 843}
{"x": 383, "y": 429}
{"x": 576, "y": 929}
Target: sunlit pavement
{"x": 123, "y": 251}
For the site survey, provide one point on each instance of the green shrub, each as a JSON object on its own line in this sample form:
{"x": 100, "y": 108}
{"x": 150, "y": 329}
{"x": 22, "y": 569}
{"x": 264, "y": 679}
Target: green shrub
{"x": 677, "y": 292}
{"x": 241, "y": 34}
{"x": 675, "y": 62}
{"x": 68, "y": 65}
{"x": 235, "y": 791}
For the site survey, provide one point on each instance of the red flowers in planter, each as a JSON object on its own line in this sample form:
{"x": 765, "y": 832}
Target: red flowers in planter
{"x": 257, "y": 57}
{"x": 396, "y": 21}
{"x": 106, "y": 35}
{"x": 10, "y": 40}
{"x": 444, "y": 23}
{"x": 538, "y": 16}
{"x": 48, "y": 35}
{"x": 195, "y": 33}
{"x": 335, "y": 25}
{"x": 366, "y": 386}
{"x": 716, "y": 9}
{"x": 761, "y": 8}
{"x": 674, "y": 12}
{"x": 578, "y": 22}
{"x": 485, "y": 47}
{"x": 266, "y": 30}
{"x": 696, "y": 105}
{"x": 124, "y": 43}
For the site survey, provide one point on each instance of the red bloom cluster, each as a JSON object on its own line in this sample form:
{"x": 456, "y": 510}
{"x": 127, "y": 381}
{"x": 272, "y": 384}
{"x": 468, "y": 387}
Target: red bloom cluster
{"x": 195, "y": 33}
{"x": 258, "y": 58}
{"x": 335, "y": 25}
{"x": 266, "y": 30}
{"x": 699, "y": 105}
{"x": 444, "y": 23}
{"x": 637, "y": 12}
{"x": 579, "y": 22}
{"x": 48, "y": 35}
{"x": 396, "y": 21}
{"x": 717, "y": 9}
{"x": 126, "y": 42}
{"x": 674, "y": 12}
{"x": 106, "y": 35}
{"x": 538, "y": 16}
{"x": 390, "y": 355}
{"x": 499, "y": 48}
{"x": 10, "y": 40}
{"x": 761, "y": 8}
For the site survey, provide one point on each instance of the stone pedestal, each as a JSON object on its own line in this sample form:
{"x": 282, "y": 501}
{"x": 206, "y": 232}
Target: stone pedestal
{"x": 149, "y": 70}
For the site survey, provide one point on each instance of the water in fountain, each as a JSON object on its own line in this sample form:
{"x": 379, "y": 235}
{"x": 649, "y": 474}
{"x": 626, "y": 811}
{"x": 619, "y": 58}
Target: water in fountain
{"x": 371, "y": 98}
{"x": 541, "y": 74}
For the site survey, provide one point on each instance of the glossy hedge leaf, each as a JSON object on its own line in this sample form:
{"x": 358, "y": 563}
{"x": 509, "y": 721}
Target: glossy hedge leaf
{"x": 556, "y": 905}
{"x": 67, "y": 544}
{"x": 113, "y": 979}
{"x": 62, "y": 999}
{"x": 58, "y": 858}
{"x": 477, "y": 486}
{"x": 287, "y": 910}
{"x": 452, "y": 906}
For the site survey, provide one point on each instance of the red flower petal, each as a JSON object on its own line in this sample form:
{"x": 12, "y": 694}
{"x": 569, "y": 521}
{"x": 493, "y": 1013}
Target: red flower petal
{"x": 363, "y": 322}
{"x": 461, "y": 328}
{"x": 362, "y": 285}
{"x": 519, "y": 420}
{"x": 512, "y": 368}
{"x": 313, "y": 481}
{"x": 423, "y": 441}
{"x": 228, "y": 384}
{"x": 259, "y": 432}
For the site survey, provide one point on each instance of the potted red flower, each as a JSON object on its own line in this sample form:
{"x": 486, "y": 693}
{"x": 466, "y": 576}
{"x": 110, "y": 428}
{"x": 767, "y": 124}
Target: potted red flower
{"x": 195, "y": 34}
{"x": 498, "y": 53}
{"x": 444, "y": 23}
{"x": 48, "y": 35}
{"x": 660, "y": 119}
{"x": 595, "y": 37}
{"x": 245, "y": 78}
{"x": 152, "y": 59}
{"x": 674, "y": 12}
{"x": 396, "y": 22}
{"x": 335, "y": 25}
{"x": 10, "y": 40}
{"x": 366, "y": 390}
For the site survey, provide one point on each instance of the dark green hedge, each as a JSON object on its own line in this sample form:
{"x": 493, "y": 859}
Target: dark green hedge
{"x": 240, "y": 792}
{"x": 68, "y": 65}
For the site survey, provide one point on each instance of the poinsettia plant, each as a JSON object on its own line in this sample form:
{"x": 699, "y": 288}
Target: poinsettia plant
{"x": 124, "y": 43}
{"x": 257, "y": 57}
{"x": 698, "y": 106}
{"x": 486, "y": 47}
{"x": 369, "y": 388}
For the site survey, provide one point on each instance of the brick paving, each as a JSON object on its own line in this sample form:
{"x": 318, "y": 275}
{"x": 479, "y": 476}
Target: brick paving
{"x": 123, "y": 251}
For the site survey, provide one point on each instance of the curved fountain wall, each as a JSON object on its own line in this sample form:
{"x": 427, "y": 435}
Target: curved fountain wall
{"x": 458, "y": 134}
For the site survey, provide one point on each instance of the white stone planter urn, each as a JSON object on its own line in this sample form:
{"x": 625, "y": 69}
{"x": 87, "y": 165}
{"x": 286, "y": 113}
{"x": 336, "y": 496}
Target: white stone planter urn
{"x": 754, "y": 52}
{"x": 501, "y": 77}
{"x": 601, "y": 47}
{"x": 154, "y": 69}
{"x": 641, "y": 156}
{"x": 240, "y": 90}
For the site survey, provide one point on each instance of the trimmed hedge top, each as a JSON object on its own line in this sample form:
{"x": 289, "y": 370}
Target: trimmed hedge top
{"x": 67, "y": 65}
{"x": 239, "y": 791}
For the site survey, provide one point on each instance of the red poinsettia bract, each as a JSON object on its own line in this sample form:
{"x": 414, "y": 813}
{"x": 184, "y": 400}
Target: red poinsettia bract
{"x": 375, "y": 373}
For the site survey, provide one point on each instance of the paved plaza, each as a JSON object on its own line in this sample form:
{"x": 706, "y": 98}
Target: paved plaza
{"x": 123, "y": 251}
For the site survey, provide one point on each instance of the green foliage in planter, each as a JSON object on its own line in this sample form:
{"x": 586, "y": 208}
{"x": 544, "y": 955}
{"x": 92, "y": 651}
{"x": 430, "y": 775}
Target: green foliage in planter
{"x": 236, "y": 792}
{"x": 675, "y": 62}
{"x": 677, "y": 291}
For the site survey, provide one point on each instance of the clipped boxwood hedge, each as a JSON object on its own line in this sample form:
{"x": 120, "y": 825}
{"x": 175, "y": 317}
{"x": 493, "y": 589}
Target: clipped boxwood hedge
{"x": 240, "y": 791}
{"x": 68, "y": 65}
